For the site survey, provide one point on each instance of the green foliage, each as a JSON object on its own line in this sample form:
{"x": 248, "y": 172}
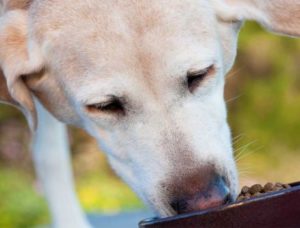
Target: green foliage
{"x": 20, "y": 206}
{"x": 267, "y": 112}
{"x": 105, "y": 193}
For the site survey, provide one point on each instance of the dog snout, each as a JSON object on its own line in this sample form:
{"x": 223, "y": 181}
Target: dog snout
{"x": 194, "y": 195}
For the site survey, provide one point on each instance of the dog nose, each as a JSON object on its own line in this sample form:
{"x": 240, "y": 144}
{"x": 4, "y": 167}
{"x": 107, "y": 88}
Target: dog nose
{"x": 216, "y": 193}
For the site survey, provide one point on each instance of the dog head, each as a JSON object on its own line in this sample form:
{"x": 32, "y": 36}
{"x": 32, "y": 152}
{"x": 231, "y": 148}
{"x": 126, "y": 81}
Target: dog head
{"x": 145, "y": 78}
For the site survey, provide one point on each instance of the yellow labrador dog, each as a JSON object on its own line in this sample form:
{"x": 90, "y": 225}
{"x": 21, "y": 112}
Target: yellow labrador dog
{"x": 145, "y": 78}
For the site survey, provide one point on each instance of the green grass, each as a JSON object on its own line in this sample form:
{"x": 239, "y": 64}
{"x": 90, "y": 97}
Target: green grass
{"x": 20, "y": 205}
{"x": 106, "y": 194}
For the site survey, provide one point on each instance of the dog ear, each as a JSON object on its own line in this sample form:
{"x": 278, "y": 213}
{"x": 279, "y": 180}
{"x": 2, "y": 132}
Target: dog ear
{"x": 279, "y": 16}
{"x": 14, "y": 4}
{"x": 16, "y": 62}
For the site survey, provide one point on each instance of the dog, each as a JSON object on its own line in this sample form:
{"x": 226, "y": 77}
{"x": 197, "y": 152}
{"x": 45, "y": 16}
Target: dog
{"x": 145, "y": 78}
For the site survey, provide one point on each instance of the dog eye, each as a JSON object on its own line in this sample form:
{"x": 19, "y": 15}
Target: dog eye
{"x": 110, "y": 107}
{"x": 195, "y": 77}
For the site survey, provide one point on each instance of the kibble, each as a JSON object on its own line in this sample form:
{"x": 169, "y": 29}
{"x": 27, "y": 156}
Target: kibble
{"x": 257, "y": 190}
{"x": 268, "y": 187}
{"x": 286, "y": 186}
{"x": 245, "y": 189}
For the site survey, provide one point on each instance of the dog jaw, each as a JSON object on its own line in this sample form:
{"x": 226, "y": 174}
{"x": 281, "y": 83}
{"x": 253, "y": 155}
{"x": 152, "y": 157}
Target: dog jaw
{"x": 140, "y": 51}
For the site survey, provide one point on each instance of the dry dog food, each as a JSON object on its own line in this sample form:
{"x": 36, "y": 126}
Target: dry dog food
{"x": 257, "y": 189}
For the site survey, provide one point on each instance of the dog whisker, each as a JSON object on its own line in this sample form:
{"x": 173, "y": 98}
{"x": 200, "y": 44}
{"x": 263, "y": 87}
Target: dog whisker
{"x": 242, "y": 148}
{"x": 246, "y": 169}
{"x": 240, "y": 153}
{"x": 237, "y": 138}
{"x": 235, "y": 72}
{"x": 234, "y": 98}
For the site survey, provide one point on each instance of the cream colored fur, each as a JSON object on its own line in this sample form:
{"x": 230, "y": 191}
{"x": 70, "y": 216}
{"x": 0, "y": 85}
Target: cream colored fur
{"x": 71, "y": 54}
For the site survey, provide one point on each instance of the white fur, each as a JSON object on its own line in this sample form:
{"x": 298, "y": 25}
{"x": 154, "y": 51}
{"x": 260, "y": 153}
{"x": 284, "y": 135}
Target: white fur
{"x": 52, "y": 163}
{"x": 140, "y": 51}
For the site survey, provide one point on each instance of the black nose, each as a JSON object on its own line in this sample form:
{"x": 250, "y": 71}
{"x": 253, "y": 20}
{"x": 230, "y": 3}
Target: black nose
{"x": 214, "y": 194}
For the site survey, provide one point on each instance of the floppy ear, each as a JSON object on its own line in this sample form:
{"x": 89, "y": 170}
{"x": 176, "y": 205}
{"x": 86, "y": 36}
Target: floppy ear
{"x": 16, "y": 62}
{"x": 279, "y": 16}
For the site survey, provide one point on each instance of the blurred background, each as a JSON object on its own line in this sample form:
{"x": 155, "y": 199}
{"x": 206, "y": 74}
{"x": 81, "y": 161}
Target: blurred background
{"x": 263, "y": 97}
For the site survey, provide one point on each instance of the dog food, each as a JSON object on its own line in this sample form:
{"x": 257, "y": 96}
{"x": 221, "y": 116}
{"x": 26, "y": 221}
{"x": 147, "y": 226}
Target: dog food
{"x": 257, "y": 189}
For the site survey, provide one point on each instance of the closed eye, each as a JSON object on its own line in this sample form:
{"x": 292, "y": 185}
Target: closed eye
{"x": 113, "y": 106}
{"x": 195, "y": 77}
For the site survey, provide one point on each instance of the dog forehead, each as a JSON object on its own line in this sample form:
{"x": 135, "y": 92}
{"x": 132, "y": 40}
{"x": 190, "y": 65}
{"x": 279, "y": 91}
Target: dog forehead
{"x": 142, "y": 14}
{"x": 129, "y": 36}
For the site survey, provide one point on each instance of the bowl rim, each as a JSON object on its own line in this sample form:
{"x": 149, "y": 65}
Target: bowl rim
{"x": 295, "y": 186}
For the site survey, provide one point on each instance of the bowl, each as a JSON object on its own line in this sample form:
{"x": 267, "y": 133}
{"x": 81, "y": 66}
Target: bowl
{"x": 275, "y": 209}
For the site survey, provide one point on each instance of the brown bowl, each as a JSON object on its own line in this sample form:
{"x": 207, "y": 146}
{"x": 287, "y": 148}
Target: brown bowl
{"x": 275, "y": 209}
